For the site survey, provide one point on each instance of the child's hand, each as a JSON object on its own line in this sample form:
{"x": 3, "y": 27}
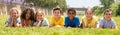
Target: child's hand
{"x": 38, "y": 24}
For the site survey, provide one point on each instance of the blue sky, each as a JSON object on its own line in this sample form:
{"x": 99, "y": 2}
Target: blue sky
{"x": 82, "y": 3}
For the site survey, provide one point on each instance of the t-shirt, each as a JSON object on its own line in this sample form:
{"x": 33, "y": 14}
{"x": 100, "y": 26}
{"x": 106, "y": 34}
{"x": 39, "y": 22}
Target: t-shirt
{"x": 74, "y": 23}
{"x": 9, "y": 20}
{"x": 45, "y": 22}
{"x": 57, "y": 22}
{"x": 107, "y": 24}
{"x": 92, "y": 23}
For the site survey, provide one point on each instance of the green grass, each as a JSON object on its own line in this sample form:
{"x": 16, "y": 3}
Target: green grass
{"x": 55, "y": 31}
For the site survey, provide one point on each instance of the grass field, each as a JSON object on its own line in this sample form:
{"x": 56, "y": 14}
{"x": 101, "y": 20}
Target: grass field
{"x": 55, "y": 31}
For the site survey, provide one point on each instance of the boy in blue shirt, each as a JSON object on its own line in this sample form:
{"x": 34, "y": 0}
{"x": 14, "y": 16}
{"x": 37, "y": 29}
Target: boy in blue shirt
{"x": 71, "y": 20}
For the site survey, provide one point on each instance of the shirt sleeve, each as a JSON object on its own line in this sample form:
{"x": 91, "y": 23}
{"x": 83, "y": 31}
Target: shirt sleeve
{"x": 35, "y": 23}
{"x": 46, "y": 22}
{"x": 8, "y": 20}
{"x": 51, "y": 21}
{"x": 100, "y": 22}
{"x": 77, "y": 21}
{"x": 6, "y": 23}
{"x": 66, "y": 22}
{"x": 113, "y": 23}
{"x": 62, "y": 21}
{"x": 18, "y": 20}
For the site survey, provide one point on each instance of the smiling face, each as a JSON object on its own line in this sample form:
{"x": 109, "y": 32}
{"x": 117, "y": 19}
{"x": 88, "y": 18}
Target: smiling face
{"x": 27, "y": 15}
{"x": 71, "y": 14}
{"x": 56, "y": 13}
{"x": 89, "y": 13}
{"x": 108, "y": 15}
{"x": 39, "y": 16}
{"x": 14, "y": 13}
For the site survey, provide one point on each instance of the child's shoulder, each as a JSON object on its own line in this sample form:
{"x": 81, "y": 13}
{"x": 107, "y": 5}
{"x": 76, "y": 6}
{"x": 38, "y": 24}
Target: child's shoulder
{"x": 45, "y": 18}
{"x": 9, "y": 19}
{"x": 66, "y": 17}
{"x": 62, "y": 16}
{"x": 76, "y": 17}
{"x": 83, "y": 17}
{"x": 112, "y": 20}
{"x": 102, "y": 19}
{"x": 95, "y": 18}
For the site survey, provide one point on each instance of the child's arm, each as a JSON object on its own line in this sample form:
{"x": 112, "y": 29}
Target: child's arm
{"x": 100, "y": 26}
{"x": 83, "y": 24}
{"x": 66, "y": 22}
{"x": 100, "y": 23}
{"x": 95, "y": 26}
{"x": 10, "y": 22}
{"x": 46, "y": 23}
{"x": 114, "y": 25}
{"x": 77, "y": 22}
{"x": 16, "y": 22}
{"x": 52, "y": 24}
{"x": 38, "y": 24}
{"x": 61, "y": 22}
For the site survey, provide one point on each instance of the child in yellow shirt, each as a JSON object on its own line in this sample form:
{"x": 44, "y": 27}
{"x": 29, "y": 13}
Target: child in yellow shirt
{"x": 57, "y": 19}
{"x": 89, "y": 20}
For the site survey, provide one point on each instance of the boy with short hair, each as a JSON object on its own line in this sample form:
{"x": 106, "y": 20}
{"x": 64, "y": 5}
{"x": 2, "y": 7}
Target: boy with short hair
{"x": 72, "y": 20}
{"x": 57, "y": 19}
{"x": 107, "y": 21}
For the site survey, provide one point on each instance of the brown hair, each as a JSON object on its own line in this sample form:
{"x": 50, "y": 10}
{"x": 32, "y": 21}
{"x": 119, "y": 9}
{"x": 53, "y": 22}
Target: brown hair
{"x": 38, "y": 11}
{"x": 88, "y": 9}
{"x": 107, "y": 10}
{"x": 71, "y": 9}
{"x": 57, "y": 9}
{"x": 14, "y": 8}
{"x": 23, "y": 15}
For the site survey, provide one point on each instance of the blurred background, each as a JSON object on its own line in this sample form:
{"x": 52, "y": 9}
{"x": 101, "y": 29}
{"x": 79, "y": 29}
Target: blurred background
{"x": 47, "y": 5}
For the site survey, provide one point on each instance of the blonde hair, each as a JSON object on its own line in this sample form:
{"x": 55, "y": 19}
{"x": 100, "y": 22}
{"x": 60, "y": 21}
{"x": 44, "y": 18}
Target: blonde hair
{"x": 39, "y": 11}
{"x": 14, "y": 9}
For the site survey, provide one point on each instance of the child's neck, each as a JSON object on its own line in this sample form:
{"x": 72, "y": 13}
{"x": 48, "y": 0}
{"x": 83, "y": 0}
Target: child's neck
{"x": 57, "y": 18}
{"x": 71, "y": 20}
{"x": 89, "y": 20}
{"x": 108, "y": 20}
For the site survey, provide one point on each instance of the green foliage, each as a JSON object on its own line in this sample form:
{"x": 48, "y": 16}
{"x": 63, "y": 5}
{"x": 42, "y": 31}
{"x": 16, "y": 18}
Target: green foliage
{"x": 97, "y": 10}
{"x": 118, "y": 11}
{"x": 106, "y": 3}
{"x": 115, "y": 8}
{"x": 49, "y": 3}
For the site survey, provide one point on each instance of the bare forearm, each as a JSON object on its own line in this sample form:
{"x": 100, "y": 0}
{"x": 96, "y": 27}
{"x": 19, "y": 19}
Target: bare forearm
{"x": 38, "y": 24}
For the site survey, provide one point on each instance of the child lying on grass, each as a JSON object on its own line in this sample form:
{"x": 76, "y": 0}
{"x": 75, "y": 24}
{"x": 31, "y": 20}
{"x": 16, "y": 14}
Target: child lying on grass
{"x": 40, "y": 19}
{"x": 13, "y": 20}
